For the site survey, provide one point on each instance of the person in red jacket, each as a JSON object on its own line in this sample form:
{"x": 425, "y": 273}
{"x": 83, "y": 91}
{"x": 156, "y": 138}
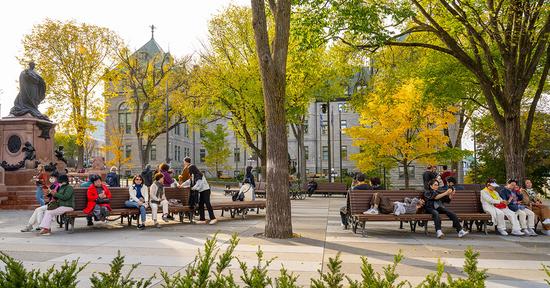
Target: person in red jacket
{"x": 99, "y": 197}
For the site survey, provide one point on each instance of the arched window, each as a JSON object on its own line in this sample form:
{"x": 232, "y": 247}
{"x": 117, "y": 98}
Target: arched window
{"x": 124, "y": 118}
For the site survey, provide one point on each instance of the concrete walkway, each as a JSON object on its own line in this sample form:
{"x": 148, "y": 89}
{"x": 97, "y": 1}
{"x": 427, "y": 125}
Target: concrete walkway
{"x": 510, "y": 261}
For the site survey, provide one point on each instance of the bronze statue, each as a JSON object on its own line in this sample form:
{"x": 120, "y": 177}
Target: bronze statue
{"x": 32, "y": 91}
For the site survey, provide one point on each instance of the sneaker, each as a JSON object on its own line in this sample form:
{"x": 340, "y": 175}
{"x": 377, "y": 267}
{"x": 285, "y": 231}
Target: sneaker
{"x": 171, "y": 217}
{"x": 517, "y": 233}
{"x": 90, "y": 223}
{"x": 157, "y": 225}
{"x": 462, "y": 233}
{"x": 213, "y": 221}
{"x": 165, "y": 218}
{"x": 439, "y": 234}
{"x": 37, "y": 229}
{"x": 201, "y": 222}
{"x": 27, "y": 228}
{"x": 526, "y": 231}
{"x": 532, "y": 232}
{"x": 546, "y": 232}
{"x": 502, "y": 232}
{"x": 546, "y": 221}
{"x": 45, "y": 232}
{"x": 141, "y": 227}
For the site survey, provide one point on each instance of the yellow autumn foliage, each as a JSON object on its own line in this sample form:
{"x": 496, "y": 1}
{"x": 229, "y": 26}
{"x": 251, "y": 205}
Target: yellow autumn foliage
{"x": 397, "y": 125}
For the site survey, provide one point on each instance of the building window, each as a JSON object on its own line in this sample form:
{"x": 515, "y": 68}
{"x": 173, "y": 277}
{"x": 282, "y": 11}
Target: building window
{"x": 344, "y": 152}
{"x": 325, "y": 152}
{"x": 343, "y": 124}
{"x": 177, "y": 153}
{"x": 306, "y": 151}
{"x": 177, "y": 129}
{"x": 185, "y": 130}
{"x": 124, "y": 119}
{"x": 128, "y": 151}
{"x": 202, "y": 155}
{"x": 342, "y": 107}
{"x": 306, "y": 126}
{"x": 153, "y": 156}
{"x": 401, "y": 171}
{"x": 237, "y": 154}
{"x": 201, "y": 132}
{"x": 186, "y": 152}
{"x": 324, "y": 127}
{"x": 325, "y": 171}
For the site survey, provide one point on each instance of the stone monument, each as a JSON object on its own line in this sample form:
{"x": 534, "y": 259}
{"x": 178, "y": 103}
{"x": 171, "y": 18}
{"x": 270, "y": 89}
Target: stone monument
{"x": 27, "y": 139}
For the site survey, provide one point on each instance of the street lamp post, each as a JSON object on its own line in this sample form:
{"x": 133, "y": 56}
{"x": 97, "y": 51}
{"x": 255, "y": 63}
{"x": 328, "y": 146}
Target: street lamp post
{"x": 167, "y": 126}
{"x": 340, "y": 132}
{"x": 475, "y": 150}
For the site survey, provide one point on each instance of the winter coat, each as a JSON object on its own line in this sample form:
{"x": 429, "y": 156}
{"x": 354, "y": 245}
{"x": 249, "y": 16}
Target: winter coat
{"x": 92, "y": 197}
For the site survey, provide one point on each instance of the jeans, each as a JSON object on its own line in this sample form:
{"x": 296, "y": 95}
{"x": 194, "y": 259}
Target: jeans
{"x": 40, "y": 195}
{"x": 204, "y": 198}
{"x": 142, "y": 211}
{"x": 437, "y": 219}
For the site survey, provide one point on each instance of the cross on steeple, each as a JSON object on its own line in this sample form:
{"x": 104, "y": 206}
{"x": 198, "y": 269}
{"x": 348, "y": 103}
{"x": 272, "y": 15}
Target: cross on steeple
{"x": 152, "y": 31}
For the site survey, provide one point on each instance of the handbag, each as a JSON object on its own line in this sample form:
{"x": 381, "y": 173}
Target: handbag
{"x": 53, "y": 205}
{"x": 102, "y": 200}
{"x": 500, "y": 205}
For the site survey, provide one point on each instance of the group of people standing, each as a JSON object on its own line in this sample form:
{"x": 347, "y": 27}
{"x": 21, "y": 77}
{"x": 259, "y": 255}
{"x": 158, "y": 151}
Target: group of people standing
{"x": 146, "y": 191}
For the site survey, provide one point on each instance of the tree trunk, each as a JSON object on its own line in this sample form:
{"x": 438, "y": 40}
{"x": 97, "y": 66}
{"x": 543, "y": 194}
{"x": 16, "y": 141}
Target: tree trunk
{"x": 514, "y": 152}
{"x": 273, "y": 72}
{"x": 406, "y": 173}
{"x": 80, "y": 155}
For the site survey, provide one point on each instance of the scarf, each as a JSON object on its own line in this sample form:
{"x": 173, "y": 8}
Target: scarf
{"x": 493, "y": 194}
{"x": 138, "y": 191}
{"x": 160, "y": 190}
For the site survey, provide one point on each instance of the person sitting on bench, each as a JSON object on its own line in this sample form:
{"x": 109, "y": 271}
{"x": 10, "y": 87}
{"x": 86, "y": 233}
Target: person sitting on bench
{"x": 435, "y": 206}
{"x": 360, "y": 185}
{"x": 99, "y": 198}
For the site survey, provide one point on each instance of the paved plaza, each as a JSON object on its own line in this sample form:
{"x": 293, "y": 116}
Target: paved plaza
{"x": 511, "y": 261}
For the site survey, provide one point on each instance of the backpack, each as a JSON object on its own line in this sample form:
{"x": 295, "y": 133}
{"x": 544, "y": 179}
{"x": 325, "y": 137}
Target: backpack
{"x": 110, "y": 180}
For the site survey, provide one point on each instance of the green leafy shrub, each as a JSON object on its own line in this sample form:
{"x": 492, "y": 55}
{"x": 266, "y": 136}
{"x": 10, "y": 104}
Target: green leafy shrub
{"x": 15, "y": 275}
{"x": 115, "y": 279}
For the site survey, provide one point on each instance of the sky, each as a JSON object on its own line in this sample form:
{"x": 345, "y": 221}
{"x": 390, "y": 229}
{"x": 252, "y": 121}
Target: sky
{"x": 181, "y": 25}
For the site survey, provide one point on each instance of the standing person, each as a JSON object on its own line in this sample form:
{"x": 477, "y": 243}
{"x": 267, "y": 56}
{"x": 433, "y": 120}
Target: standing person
{"x": 526, "y": 216}
{"x": 147, "y": 175}
{"x": 446, "y": 173}
{"x": 200, "y": 185}
{"x": 185, "y": 175}
{"x": 99, "y": 198}
{"x": 532, "y": 199}
{"x": 139, "y": 196}
{"x": 428, "y": 175}
{"x": 65, "y": 198}
{"x": 435, "y": 206}
{"x": 158, "y": 197}
{"x": 41, "y": 181}
{"x": 163, "y": 169}
{"x": 38, "y": 213}
{"x": 493, "y": 204}
{"x": 112, "y": 179}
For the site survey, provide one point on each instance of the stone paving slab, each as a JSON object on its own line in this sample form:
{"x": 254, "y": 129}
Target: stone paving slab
{"x": 511, "y": 261}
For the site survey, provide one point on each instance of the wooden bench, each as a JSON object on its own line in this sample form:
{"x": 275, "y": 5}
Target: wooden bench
{"x": 259, "y": 191}
{"x": 327, "y": 189}
{"x": 239, "y": 207}
{"x": 119, "y": 196}
{"x": 465, "y": 204}
{"x": 184, "y": 209}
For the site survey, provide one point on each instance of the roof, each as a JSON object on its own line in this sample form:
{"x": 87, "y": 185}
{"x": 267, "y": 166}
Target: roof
{"x": 151, "y": 48}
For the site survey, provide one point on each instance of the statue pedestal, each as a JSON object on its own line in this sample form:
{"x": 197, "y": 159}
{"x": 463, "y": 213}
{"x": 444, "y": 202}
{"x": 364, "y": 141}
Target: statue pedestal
{"x": 14, "y": 133}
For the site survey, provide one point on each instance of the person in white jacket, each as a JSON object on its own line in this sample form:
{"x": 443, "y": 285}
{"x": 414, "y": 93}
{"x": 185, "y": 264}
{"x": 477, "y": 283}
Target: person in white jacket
{"x": 139, "y": 198}
{"x": 199, "y": 184}
{"x": 497, "y": 207}
{"x": 158, "y": 197}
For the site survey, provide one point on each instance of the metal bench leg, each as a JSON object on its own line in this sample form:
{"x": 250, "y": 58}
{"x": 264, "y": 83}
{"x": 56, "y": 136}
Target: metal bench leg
{"x": 66, "y": 222}
{"x": 364, "y": 230}
{"x": 71, "y": 221}
{"x": 400, "y": 224}
{"x": 485, "y": 227}
{"x": 413, "y": 225}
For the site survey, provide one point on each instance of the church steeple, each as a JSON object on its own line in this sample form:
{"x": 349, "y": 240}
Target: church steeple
{"x": 152, "y": 31}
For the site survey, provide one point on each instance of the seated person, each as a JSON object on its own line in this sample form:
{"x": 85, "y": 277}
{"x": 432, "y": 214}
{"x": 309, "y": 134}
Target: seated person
{"x": 99, "y": 197}
{"x": 64, "y": 197}
{"x": 246, "y": 191}
{"x": 435, "y": 206}
{"x": 375, "y": 183}
{"x": 451, "y": 183}
{"x": 533, "y": 201}
{"x": 361, "y": 184}
{"x": 311, "y": 187}
{"x": 526, "y": 216}
{"x": 38, "y": 213}
{"x": 139, "y": 196}
{"x": 493, "y": 204}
